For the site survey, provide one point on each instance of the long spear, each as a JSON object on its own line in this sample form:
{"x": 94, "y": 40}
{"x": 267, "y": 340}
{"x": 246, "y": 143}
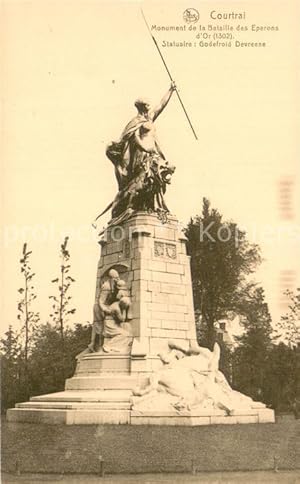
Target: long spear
{"x": 169, "y": 74}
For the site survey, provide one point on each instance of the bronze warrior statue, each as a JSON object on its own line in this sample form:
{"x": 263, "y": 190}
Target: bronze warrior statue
{"x": 141, "y": 169}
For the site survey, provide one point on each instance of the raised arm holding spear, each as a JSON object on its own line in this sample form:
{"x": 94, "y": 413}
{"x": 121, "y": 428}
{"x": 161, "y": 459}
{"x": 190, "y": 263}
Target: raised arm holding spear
{"x": 141, "y": 169}
{"x": 169, "y": 74}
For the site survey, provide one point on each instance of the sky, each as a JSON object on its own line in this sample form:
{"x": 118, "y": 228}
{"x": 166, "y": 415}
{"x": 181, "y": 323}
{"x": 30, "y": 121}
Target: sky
{"x": 70, "y": 73}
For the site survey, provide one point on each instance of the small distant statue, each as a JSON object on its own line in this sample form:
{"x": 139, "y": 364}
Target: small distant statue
{"x": 112, "y": 316}
{"x": 142, "y": 172}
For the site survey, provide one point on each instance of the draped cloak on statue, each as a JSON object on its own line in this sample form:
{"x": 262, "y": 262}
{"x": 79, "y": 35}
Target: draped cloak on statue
{"x": 126, "y": 154}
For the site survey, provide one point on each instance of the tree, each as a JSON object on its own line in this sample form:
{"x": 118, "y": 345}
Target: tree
{"x": 11, "y": 380}
{"x": 61, "y": 302}
{"x": 282, "y": 382}
{"x": 250, "y": 360}
{"x": 26, "y": 315}
{"x": 48, "y": 369}
{"x": 251, "y": 304}
{"x": 288, "y": 328}
{"x": 283, "y": 385}
{"x": 221, "y": 259}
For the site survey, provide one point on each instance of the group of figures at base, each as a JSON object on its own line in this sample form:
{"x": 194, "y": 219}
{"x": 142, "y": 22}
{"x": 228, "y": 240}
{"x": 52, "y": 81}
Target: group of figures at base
{"x": 141, "y": 170}
{"x": 190, "y": 379}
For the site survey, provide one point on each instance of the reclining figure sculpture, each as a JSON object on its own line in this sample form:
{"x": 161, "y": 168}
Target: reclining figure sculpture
{"x": 189, "y": 379}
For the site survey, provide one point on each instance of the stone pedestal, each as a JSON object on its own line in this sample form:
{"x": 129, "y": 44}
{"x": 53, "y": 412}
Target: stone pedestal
{"x": 151, "y": 257}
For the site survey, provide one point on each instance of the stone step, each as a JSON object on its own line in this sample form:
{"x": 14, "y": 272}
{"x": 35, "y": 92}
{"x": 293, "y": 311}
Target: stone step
{"x": 75, "y": 405}
{"x": 85, "y": 396}
{"x": 105, "y": 382}
{"x": 209, "y": 412}
{"x": 202, "y": 417}
{"x": 95, "y": 362}
{"x": 69, "y": 417}
{"x": 91, "y": 415}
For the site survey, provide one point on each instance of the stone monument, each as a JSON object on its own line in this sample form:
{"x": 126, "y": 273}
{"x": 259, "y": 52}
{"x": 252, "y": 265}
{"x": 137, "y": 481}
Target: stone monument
{"x": 143, "y": 364}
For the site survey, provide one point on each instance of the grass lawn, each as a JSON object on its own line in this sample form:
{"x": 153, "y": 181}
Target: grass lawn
{"x": 34, "y": 448}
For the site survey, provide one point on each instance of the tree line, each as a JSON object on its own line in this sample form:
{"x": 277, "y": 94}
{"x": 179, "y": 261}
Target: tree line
{"x": 263, "y": 362}
{"x": 38, "y": 358}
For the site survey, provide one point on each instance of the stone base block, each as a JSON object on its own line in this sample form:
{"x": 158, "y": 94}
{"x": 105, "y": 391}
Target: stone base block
{"x": 69, "y": 417}
{"x": 202, "y": 417}
{"x": 75, "y": 408}
{"x": 266, "y": 415}
{"x": 113, "y": 406}
{"x": 96, "y": 362}
{"x": 106, "y": 382}
{"x": 174, "y": 420}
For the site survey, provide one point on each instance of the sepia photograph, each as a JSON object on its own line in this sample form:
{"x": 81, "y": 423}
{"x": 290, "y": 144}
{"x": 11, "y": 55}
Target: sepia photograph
{"x": 150, "y": 310}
